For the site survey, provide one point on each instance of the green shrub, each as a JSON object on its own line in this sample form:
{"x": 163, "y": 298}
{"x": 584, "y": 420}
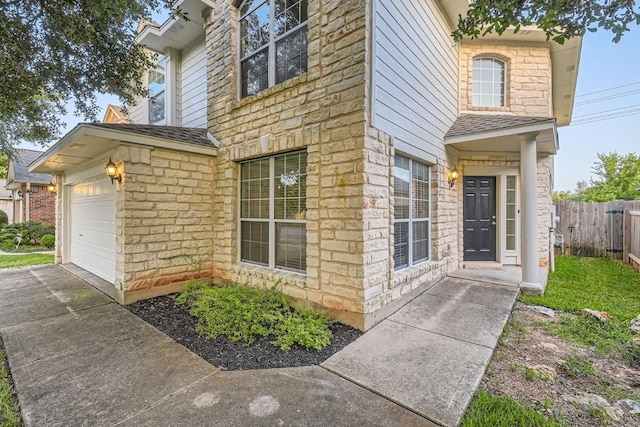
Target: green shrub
{"x": 241, "y": 314}
{"x": 48, "y": 240}
{"x": 4, "y": 218}
{"x": 31, "y": 231}
{"x": 7, "y": 236}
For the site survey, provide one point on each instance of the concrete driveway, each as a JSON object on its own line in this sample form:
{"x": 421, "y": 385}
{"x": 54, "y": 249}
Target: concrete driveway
{"x": 79, "y": 359}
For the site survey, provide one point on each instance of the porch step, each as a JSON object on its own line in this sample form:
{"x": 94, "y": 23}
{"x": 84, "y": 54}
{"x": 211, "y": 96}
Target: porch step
{"x": 481, "y": 264}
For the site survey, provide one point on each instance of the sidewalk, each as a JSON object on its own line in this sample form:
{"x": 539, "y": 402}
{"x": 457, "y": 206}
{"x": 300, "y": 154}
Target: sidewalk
{"x": 78, "y": 358}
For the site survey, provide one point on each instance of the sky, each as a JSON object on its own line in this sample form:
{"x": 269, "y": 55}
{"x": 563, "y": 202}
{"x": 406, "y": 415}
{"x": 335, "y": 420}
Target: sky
{"x": 603, "y": 65}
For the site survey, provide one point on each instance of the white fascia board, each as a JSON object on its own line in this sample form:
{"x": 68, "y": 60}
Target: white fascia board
{"x": 537, "y": 127}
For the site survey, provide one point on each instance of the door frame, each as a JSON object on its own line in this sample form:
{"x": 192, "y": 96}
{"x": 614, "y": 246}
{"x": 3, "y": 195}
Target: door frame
{"x": 503, "y": 256}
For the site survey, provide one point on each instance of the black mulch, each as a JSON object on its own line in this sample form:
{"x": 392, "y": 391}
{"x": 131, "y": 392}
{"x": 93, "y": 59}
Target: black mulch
{"x": 176, "y": 321}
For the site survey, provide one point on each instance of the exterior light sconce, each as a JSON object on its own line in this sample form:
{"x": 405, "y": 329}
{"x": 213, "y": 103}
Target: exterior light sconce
{"x": 112, "y": 171}
{"x": 19, "y": 194}
{"x": 52, "y": 188}
{"x": 453, "y": 177}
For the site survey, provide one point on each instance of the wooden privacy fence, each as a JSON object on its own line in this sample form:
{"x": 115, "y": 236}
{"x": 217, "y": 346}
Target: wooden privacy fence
{"x": 605, "y": 230}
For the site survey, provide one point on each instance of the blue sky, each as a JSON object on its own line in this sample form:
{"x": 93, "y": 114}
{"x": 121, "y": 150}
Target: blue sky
{"x": 603, "y": 65}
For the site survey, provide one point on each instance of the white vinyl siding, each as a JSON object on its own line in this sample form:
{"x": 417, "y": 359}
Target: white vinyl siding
{"x": 137, "y": 113}
{"x": 415, "y": 76}
{"x": 192, "y": 93}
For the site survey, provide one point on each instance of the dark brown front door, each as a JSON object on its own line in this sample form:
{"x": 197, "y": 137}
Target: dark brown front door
{"x": 479, "y": 218}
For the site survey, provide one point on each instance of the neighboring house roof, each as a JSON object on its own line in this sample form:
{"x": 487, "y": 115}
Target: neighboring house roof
{"x": 114, "y": 114}
{"x": 4, "y": 193}
{"x": 195, "y": 136}
{"x": 18, "y": 168}
{"x": 477, "y": 123}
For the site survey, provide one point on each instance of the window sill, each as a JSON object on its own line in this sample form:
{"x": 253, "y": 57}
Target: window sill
{"x": 267, "y": 273}
{"x": 281, "y": 87}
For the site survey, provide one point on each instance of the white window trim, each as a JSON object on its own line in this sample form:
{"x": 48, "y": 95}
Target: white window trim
{"x": 271, "y": 45}
{"x": 411, "y": 220}
{"x": 504, "y": 81}
{"x": 272, "y": 220}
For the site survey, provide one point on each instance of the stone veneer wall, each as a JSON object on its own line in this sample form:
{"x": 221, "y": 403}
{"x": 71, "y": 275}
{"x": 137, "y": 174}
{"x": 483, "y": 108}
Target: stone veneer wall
{"x": 528, "y": 78}
{"x": 322, "y": 112}
{"x": 164, "y": 218}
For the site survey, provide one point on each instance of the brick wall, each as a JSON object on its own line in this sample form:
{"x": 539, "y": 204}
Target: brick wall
{"x": 164, "y": 218}
{"x": 42, "y": 205}
{"x": 528, "y": 80}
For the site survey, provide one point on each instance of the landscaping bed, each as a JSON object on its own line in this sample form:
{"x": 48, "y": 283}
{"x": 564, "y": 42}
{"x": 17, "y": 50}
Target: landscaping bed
{"x": 10, "y": 415}
{"x": 176, "y": 321}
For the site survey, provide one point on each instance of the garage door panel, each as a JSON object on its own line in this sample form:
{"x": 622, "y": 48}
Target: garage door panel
{"x": 93, "y": 227}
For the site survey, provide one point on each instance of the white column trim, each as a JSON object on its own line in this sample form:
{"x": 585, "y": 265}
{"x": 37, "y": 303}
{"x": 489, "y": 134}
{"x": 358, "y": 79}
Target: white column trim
{"x": 531, "y": 282}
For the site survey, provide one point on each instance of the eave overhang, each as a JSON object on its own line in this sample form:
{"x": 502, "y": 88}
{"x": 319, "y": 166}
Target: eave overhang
{"x": 176, "y": 33}
{"x": 86, "y": 142}
{"x": 507, "y": 139}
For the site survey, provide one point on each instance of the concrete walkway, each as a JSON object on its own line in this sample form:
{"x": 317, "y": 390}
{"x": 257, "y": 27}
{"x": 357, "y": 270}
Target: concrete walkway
{"x": 79, "y": 359}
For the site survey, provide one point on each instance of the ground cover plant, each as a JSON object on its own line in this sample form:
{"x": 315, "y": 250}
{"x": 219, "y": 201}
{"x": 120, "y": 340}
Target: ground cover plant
{"x": 241, "y": 313}
{"x": 240, "y": 305}
{"x": 8, "y": 261}
{"x": 10, "y": 415}
{"x": 567, "y": 369}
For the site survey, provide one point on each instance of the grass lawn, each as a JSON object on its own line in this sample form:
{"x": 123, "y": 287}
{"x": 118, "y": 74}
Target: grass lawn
{"x": 599, "y": 284}
{"x": 489, "y": 410}
{"x": 7, "y": 261}
{"x": 9, "y": 411}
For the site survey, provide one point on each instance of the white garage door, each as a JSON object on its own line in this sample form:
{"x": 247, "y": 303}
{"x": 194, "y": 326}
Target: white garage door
{"x": 93, "y": 227}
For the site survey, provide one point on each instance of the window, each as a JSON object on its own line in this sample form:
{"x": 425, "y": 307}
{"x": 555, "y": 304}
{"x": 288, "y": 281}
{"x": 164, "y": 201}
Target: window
{"x": 411, "y": 187}
{"x": 273, "y": 207}
{"x": 488, "y": 82}
{"x": 511, "y": 213}
{"x": 273, "y": 43}
{"x": 157, "y": 87}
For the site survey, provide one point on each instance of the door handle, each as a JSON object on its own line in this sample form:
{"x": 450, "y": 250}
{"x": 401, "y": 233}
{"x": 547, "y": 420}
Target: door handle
{"x": 493, "y": 223}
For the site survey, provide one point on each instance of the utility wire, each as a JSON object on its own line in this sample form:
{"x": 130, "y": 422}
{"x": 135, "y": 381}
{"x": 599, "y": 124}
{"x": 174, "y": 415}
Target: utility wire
{"x": 607, "y": 98}
{"x": 607, "y": 90}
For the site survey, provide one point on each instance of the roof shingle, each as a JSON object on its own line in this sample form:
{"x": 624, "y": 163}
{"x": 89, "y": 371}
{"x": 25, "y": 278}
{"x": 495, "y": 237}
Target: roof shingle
{"x": 21, "y": 159}
{"x": 477, "y": 123}
{"x": 195, "y": 136}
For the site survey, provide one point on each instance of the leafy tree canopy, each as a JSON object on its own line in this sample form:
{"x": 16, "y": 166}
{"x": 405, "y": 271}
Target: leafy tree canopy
{"x": 55, "y": 51}
{"x": 560, "y": 20}
{"x": 616, "y": 178}
{"x": 4, "y": 164}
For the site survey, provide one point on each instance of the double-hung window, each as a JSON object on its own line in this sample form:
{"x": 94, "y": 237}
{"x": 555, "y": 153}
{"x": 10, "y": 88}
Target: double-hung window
{"x": 488, "y": 82}
{"x": 411, "y": 187}
{"x": 273, "y": 43}
{"x": 273, "y": 207}
{"x": 157, "y": 86}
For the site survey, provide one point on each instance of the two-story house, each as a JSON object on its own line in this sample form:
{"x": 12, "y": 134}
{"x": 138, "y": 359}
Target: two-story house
{"x": 349, "y": 152}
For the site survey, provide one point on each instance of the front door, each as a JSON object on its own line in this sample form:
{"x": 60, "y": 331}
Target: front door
{"x": 479, "y": 218}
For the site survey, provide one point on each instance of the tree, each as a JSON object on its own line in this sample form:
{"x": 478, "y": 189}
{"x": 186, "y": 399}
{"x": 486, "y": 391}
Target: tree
{"x": 4, "y": 164}
{"x": 55, "y": 51}
{"x": 560, "y": 20}
{"x": 617, "y": 177}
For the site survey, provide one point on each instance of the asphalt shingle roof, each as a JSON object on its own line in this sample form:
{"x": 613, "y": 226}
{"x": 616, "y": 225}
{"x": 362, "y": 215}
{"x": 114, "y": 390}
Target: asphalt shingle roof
{"x": 477, "y": 123}
{"x": 21, "y": 159}
{"x": 195, "y": 136}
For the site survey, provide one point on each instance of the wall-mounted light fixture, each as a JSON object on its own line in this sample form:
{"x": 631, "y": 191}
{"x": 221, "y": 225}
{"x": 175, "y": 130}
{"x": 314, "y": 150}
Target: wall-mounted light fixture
{"x": 112, "y": 171}
{"x": 19, "y": 194}
{"x": 52, "y": 188}
{"x": 453, "y": 177}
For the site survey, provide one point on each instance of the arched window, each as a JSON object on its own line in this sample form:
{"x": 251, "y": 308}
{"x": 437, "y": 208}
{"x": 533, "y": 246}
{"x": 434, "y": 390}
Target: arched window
{"x": 488, "y": 82}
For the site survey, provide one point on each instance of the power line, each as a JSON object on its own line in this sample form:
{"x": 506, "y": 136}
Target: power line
{"x": 613, "y": 110}
{"x": 607, "y": 115}
{"x": 608, "y": 90}
{"x": 607, "y": 98}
